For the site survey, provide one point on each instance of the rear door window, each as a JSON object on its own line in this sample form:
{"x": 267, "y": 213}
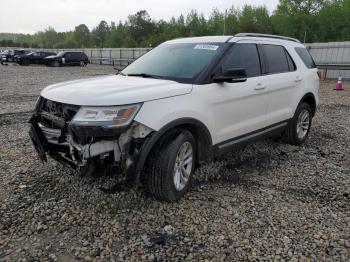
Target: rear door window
{"x": 243, "y": 56}
{"x": 306, "y": 57}
{"x": 277, "y": 60}
{"x": 68, "y": 56}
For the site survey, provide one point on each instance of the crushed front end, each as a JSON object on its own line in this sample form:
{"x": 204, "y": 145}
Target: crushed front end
{"x": 91, "y": 138}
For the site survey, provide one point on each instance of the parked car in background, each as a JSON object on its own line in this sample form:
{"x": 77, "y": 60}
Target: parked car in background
{"x": 10, "y": 55}
{"x": 33, "y": 58}
{"x": 66, "y": 58}
{"x": 5, "y": 56}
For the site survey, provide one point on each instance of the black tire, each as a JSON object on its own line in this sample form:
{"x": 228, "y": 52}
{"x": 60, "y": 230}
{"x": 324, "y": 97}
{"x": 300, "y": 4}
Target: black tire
{"x": 25, "y": 63}
{"x": 291, "y": 133}
{"x": 160, "y": 175}
{"x": 82, "y": 63}
{"x": 55, "y": 64}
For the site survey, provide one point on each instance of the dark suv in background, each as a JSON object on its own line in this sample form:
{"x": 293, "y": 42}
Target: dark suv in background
{"x": 67, "y": 58}
{"x": 33, "y": 58}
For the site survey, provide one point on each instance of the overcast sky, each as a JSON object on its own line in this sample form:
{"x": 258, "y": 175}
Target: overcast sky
{"x": 29, "y": 16}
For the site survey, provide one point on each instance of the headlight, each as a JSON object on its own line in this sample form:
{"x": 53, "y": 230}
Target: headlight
{"x": 109, "y": 116}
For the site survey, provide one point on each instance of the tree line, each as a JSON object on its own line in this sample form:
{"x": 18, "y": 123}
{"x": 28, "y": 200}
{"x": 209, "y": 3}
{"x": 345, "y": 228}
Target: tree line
{"x": 307, "y": 20}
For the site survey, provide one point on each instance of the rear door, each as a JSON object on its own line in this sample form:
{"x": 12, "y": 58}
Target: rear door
{"x": 77, "y": 58}
{"x": 68, "y": 58}
{"x": 240, "y": 108}
{"x": 36, "y": 57}
{"x": 283, "y": 80}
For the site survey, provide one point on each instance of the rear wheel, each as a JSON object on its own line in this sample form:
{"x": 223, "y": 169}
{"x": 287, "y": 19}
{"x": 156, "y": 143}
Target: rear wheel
{"x": 171, "y": 167}
{"x": 55, "y": 64}
{"x": 299, "y": 127}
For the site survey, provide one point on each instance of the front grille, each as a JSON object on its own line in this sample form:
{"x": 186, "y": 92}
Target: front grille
{"x": 60, "y": 110}
{"x": 53, "y": 117}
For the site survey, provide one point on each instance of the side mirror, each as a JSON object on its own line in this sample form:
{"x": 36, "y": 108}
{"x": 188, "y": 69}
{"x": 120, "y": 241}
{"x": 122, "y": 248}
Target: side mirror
{"x": 234, "y": 75}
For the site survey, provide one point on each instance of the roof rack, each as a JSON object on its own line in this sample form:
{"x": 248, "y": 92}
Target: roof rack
{"x": 268, "y": 36}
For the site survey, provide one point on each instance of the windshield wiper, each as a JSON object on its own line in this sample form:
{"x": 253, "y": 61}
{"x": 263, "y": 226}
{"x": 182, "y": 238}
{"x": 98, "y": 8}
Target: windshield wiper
{"x": 146, "y": 75}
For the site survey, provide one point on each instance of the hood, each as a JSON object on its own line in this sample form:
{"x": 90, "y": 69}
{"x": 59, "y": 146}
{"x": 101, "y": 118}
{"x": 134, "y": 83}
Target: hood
{"x": 113, "y": 90}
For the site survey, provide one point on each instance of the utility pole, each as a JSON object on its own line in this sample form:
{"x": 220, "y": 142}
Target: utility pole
{"x": 225, "y": 22}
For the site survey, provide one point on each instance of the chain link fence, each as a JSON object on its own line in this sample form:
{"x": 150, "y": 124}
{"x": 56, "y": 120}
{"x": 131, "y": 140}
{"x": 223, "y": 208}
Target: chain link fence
{"x": 119, "y": 57}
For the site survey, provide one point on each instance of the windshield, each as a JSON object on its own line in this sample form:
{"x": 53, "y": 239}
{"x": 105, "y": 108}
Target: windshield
{"x": 60, "y": 53}
{"x": 178, "y": 62}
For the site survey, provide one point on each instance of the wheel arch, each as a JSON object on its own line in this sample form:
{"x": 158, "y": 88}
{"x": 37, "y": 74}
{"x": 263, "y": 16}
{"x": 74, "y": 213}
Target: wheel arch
{"x": 309, "y": 99}
{"x": 196, "y": 127}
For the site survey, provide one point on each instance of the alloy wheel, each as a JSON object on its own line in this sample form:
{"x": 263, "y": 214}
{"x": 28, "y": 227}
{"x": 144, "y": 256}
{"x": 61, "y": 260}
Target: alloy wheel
{"x": 183, "y": 166}
{"x": 303, "y": 124}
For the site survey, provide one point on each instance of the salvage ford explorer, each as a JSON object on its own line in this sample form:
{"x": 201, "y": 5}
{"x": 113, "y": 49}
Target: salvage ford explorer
{"x": 185, "y": 102}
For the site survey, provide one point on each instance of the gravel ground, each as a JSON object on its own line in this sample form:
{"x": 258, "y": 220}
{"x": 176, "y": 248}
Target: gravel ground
{"x": 273, "y": 202}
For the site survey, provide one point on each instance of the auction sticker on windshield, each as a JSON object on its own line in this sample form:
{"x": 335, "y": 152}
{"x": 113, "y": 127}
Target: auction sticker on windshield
{"x": 207, "y": 47}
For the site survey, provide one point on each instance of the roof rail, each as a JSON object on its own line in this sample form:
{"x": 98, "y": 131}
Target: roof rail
{"x": 268, "y": 36}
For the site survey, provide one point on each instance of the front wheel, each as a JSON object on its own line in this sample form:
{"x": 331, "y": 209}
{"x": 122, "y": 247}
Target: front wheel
{"x": 299, "y": 127}
{"x": 171, "y": 167}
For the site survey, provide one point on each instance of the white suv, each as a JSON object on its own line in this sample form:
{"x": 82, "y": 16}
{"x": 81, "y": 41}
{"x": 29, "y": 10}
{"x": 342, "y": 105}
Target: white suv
{"x": 181, "y": 104}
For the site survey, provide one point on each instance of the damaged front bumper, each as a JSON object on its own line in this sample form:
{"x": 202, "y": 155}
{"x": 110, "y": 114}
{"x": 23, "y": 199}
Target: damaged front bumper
{"x": 80, "y": 146}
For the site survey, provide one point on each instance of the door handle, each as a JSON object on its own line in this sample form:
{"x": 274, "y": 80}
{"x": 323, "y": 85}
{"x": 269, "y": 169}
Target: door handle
{"x": 260, "y": 87}
{"x": 297, "y": 79}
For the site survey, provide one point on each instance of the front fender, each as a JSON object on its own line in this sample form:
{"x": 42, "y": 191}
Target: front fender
{"x": 155, "y": 137}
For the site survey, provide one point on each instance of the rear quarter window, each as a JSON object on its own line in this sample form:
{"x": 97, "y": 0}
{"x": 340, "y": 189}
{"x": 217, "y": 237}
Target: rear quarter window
{"x": 305, "y": 57}
{"x": 78, "y": 55}
{"x": 277, "y": 59}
